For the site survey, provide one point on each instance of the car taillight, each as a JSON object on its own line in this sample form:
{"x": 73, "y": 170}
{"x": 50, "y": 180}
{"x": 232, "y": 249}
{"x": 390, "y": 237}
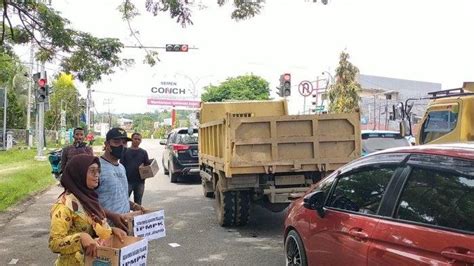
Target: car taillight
{"x": 180, "y": 147}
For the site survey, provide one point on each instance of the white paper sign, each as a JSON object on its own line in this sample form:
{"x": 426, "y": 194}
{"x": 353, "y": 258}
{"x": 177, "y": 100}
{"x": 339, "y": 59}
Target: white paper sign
{"x": 134, "y": 254}
{"x": 150, "y": 226}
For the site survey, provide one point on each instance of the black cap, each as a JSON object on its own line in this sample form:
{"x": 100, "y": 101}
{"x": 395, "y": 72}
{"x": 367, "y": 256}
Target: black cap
{"x": 117, "y": 133}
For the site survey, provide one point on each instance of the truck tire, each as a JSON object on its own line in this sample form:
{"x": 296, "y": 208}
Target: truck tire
{"x": 225, "y": 207}
{"x": 242, "y": 207}
{"x": 207, "y": 188}
{"x": 172, "y": 175}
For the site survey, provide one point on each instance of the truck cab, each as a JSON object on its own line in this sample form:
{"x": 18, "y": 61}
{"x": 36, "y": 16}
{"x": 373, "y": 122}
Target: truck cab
{"x": 449, "y": 117}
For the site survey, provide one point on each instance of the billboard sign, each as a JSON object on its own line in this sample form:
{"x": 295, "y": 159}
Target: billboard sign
{"x": 174, "y": 102}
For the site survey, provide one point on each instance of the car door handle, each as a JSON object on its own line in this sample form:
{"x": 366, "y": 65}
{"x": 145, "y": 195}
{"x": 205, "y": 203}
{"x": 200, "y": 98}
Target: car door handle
{"x": 358, "y": 233}
{"x": 453, "y": 254}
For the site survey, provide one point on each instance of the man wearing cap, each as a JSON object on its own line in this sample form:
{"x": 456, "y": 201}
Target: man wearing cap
{"x": 113, "y": 189}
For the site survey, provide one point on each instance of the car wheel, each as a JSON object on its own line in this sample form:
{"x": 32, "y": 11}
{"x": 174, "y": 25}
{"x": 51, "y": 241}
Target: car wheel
{"x": 165, "y": 170}
{"x": 172, "y": 175}
{"x": 294, "y": 250}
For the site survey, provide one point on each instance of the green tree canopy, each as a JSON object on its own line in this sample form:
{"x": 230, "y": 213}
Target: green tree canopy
{"x": 248, "y": 87}
{"x": 344, "y": 94}
{"x": 65, "y": 95}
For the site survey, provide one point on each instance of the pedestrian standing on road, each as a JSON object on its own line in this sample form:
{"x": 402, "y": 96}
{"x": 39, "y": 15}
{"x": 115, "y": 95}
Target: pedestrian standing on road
{"x": 77, "y": 147}
{"x": 132, "y": 159}
{"x": 113, "y": 191}
{"x": 77, "y": 217}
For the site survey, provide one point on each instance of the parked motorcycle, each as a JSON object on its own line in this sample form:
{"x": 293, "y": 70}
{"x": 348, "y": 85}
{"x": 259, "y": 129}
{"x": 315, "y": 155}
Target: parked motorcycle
{"x": 55, "y": 161}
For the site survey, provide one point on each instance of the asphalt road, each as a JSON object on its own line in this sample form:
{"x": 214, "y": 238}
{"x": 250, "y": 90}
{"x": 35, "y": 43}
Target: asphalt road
{"x": 190, "y": 222}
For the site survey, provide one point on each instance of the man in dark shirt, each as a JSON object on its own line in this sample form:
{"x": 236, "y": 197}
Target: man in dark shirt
{"x": 132, "y": 159}
{"x": 78, "y": 147}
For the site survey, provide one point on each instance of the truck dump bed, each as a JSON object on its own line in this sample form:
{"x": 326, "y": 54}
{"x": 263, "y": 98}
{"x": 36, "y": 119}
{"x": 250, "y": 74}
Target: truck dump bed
{"x": 261, "y": 138}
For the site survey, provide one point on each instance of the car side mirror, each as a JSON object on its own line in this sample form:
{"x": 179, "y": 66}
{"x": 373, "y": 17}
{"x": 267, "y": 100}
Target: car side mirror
{"x": 315, "y": 201}
{"x": 162, "y": 142}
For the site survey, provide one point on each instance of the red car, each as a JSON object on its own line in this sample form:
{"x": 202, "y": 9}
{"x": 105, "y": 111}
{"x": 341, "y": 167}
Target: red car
{"x": 403, "y": 206}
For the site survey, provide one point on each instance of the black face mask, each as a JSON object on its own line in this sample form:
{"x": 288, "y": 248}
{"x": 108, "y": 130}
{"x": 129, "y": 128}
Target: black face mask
{"x": 117, "y": 151}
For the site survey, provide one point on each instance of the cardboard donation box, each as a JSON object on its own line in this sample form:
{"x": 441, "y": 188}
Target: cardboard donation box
{"x": 149, "y": 170}
{"x": 133, "y": 251}
{"x": 149, "y": 225}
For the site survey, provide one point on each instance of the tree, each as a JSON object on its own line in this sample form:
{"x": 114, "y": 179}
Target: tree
{"x": 80, "y": 53}
{"x": 66, "y": 96}
{"x": 248, "y": 87}
{"x": 12, "y": 79}
{"x": 15, "y": 112}
{"x": 344, "y": 94}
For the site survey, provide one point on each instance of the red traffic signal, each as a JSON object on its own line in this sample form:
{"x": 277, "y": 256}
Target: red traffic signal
{"x": 286, "y": 77}
{"x": 42, "y": 82}
{"x": 177, "y": 48}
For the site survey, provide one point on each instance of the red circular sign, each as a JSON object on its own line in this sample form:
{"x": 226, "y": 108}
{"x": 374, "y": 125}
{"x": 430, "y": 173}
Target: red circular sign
{"x": 305, "y": 88}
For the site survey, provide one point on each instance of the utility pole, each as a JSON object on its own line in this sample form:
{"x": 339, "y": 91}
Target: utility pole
{"x": 88, "y": 106}
{"x": 4, "y": 132}
{"x": 29, "y": 136}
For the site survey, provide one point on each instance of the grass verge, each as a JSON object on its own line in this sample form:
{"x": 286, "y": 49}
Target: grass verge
{"x": 21, "y": 176}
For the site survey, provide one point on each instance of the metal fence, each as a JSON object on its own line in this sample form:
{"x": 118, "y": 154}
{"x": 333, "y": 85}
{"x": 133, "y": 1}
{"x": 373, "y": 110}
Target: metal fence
{"x": 20, "y": 137}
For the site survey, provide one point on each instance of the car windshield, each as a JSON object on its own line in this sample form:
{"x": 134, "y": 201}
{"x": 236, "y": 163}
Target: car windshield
{"x": 372, "y": 142}
{"x": 185, "y": 138}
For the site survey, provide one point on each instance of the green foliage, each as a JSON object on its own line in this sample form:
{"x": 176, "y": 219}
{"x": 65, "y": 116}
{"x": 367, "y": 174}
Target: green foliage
{"x": 249, "y": 87}
{"x": 344, "y": 94}
{"x": 12, "y": 78}
{"x": 65, "y": 94}
{"x": 80, "y": 53}
{"x": 16, "y": 113}
{"x": 21, "y": 176}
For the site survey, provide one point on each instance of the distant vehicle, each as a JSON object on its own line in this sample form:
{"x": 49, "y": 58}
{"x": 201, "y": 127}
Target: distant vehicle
{"x": 377, "y": 140}
{"x": 402, "y": 206}
{"x": 180, "y": 157}
{"x": 448, "y": 118}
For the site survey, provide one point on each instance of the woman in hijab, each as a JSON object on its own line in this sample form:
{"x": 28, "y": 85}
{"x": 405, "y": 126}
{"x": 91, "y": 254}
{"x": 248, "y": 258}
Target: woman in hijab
{"x": 77, "y": 217}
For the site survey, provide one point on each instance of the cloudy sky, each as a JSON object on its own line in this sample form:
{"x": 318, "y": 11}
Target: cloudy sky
{"x": 426, "y": 40}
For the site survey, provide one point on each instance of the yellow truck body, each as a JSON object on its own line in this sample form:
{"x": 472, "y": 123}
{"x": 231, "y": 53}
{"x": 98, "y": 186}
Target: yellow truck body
{"x": 449, "y": 117}
{"x": 257, "y": 149}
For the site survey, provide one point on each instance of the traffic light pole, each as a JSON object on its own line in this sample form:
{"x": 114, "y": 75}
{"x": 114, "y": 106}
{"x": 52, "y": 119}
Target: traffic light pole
{"x": 39, "y": 155}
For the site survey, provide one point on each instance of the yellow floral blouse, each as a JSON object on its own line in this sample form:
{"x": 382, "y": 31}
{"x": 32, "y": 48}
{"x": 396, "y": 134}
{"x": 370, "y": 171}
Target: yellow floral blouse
{"x": 68, "y": 220}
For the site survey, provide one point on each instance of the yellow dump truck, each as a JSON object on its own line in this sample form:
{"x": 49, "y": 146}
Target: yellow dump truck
{"x": 449, "y": 117}
{"x": 253, "y": 151}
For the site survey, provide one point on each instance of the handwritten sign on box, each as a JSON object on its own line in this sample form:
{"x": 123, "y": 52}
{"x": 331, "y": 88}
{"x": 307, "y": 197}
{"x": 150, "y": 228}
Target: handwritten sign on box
{"x": 150, "y": 225}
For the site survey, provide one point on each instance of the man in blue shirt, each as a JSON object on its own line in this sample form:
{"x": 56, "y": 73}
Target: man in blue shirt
{"x": 113, "y": 188}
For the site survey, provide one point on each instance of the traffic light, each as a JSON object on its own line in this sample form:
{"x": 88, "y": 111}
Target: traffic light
{"x": 177, "y": 47}
{"x": 285, "y": 85}
{"x": 41, "y": 85}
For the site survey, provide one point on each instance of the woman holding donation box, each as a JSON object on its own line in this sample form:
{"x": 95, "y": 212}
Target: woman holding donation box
{"x": 78, "y": 223}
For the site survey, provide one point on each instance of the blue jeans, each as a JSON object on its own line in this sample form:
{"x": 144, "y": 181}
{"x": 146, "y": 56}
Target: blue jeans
{"x": 137, "y": 188}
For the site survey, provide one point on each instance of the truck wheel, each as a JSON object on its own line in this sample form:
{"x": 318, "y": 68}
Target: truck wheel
{"x": 207, "y": 189}
{"x": 225, "y": 207}
{"x": 165, "y": 170}
{"x": 172, "y": 175}
{"x": 242, "y": 207}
